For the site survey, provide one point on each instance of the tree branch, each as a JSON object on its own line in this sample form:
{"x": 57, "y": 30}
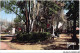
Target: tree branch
{"x": 15, "y": 13}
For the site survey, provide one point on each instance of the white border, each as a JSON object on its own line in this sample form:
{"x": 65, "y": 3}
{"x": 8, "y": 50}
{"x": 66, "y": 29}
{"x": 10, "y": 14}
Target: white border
{"x": 79, "y": 24}
{"x": 43, "y": 51}
{"x": 39, "y": 51}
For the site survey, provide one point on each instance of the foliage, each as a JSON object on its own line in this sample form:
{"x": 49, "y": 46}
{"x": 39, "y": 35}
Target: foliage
{"x": 17, "y": 20}
{"x": 20, "y": 8}
{"x": 32, "y": 37}
{"x": 13, "y": 7}
{"x": 73, "y": 8}
{"x": 73, "y": 14}
{"x": 17, "y": 23}
{"x": 52, "y": 7}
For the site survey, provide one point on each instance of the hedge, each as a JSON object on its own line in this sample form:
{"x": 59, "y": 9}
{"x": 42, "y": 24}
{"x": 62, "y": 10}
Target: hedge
{"x": 32, "y": 37}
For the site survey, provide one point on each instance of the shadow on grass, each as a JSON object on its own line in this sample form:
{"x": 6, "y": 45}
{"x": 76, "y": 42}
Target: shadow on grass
{"x": 46, "y": 42}
{"x": 53, "y": 47}
{"x": 73, "y": 47}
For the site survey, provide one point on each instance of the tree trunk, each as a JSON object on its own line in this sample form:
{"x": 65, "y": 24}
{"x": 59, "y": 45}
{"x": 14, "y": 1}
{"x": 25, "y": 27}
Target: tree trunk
{"x": 53, "y": 34}
{"x": 27, "y": 19}
{"x": 46, "y": 24}
{"x": 34, "y": 9}
{"x": 74, "y": 28}
{"x": 57, "y": 25}
{"x": 74, "y": 37}
{"x": 32, "y": 25}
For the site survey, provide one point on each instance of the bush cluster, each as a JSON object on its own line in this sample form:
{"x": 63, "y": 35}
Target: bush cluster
{"x": 33, "y": 37}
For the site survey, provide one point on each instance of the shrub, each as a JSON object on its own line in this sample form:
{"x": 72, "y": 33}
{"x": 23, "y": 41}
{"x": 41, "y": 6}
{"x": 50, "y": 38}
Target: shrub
{"x": 32, "y": 37}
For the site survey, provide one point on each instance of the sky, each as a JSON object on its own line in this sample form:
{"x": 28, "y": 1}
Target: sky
{"x": 11, "y": 16}
{"x": 65, "y": 11}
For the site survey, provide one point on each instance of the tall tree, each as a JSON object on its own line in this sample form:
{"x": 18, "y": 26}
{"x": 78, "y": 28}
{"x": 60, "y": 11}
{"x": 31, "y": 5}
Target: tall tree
{"x": 53, "y": 9}
{"x": 50, "y": 8}
{"x": 73, "y": 14}
{"x": 20, "y": 8}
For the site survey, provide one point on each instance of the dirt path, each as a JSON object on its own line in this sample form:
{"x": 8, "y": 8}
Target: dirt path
{"x": 58, "y": 44}
{"x": 5, "y": 46}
